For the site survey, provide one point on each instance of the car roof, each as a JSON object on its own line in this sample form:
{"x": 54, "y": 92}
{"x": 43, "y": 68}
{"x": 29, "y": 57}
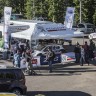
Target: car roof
{"x": 86, "y": 23}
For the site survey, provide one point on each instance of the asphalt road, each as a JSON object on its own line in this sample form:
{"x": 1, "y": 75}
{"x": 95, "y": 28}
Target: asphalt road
{"x": 66, "y": 80}
{"x": 80, "y": 84}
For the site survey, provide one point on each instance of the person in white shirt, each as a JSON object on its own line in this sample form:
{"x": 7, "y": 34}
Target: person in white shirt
{"x": 23, "y": 64}
{"x": 82, "y": 59}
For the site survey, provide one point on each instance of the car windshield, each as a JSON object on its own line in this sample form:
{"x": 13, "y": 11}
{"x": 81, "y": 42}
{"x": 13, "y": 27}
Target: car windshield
{"x": 90, "y": 26}
{"x": 39, "y": 47}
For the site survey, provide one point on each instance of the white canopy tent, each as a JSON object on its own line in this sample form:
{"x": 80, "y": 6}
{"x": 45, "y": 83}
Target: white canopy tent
{"x": 46, "y": 31}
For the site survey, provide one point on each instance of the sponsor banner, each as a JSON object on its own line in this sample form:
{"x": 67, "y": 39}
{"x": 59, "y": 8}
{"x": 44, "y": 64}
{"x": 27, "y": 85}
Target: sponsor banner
{"x": 36, "y": 61}
{"x": 68, "y": 57}
{"x": 69, "y": 17}
{"x": 7, "y": 15}
{"x": 57, "y": 59}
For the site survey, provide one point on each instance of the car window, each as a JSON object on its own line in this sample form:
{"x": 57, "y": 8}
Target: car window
{"x": 1, "y": 75}
{"x": 47, "y": 48}
{"x": 81, "y": 26}
{"x": 57, "y": 47}
{"x": 90, "y": 26}
{"x": 10, "y": 75}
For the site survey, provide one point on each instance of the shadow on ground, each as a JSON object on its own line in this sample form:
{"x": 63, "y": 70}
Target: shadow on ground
{"x": 63, "y": 68}
{"x": 57, "y": 93}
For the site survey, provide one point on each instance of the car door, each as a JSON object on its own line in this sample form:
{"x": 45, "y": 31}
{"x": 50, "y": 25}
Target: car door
{"x": 8, "y": 80}
{"x": 57, "y": 49}
{"x": 1, "y": 80}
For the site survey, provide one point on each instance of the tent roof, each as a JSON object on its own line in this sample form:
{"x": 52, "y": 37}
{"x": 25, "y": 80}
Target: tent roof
{"x": 46, "y": 31}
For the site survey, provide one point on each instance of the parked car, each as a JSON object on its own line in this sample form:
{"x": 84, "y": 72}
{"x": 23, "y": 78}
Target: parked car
{"x": 86, "y": 28}
{"x": 12, "y": 80}
{"x": 41, "y": 51}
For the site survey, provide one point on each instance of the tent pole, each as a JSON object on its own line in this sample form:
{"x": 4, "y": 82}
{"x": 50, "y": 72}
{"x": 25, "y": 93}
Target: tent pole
{"x": 83, "y": 39}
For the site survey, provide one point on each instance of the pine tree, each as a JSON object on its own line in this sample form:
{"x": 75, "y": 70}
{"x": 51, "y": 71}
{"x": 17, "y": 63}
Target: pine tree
{"x": 29, "y": 9}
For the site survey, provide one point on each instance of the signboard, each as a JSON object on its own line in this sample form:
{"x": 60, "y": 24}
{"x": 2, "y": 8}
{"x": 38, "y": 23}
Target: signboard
{"x": 56, "y": 29}
{"x": 36, "y": 61}
{"x": 68, "y": 57}
{"x": 19, "y": 28}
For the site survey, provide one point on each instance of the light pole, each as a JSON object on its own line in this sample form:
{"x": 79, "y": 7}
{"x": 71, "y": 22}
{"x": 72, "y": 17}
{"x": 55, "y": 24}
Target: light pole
{"x": 33, "y": 8}
{"x": 80, "y": 10}
{"x": 81, "y": 15}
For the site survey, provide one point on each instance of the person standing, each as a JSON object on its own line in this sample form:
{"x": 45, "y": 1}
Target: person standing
{"x": 82, "y": 59}
{"x": 50, "y": 57}
{"x": 23, "y": 62}
{"x": 91, "y": 50}
{"x": 86, "y": 50}
{"x": 17, "y": 59}
{"x": 28, "y": 56}
{"x": 77, "y": 53}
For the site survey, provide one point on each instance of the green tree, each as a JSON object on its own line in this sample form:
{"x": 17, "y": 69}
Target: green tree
{"x": 29, "y": 9}
{"x": 94, "y": 16}
{"x": 54, "y": 10}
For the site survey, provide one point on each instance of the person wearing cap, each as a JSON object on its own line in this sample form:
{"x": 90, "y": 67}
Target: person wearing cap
{"x": 82, "y": 58}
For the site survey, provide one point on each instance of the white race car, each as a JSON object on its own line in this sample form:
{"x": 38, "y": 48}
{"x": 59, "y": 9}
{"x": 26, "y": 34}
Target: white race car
{"x": 42, "y": 51}
{"x": 62, "y": 56}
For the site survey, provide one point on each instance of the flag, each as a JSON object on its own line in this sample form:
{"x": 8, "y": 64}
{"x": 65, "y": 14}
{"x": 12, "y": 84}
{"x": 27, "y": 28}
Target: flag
{"x": 7, "y": 15}
{"x": 69, "y": 17}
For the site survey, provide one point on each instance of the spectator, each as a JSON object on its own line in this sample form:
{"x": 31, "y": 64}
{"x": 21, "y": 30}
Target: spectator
{"x": 91, "y": 49}
{"x": 82, "y": 59}
{"x": 86, "y": 50}
{"x": 29, "y": 64}
{"x": 17, "y": 59}
{"x": 50, "y": 57}
{"x": 23, "y": 62}
{"x": 77, "y": 52}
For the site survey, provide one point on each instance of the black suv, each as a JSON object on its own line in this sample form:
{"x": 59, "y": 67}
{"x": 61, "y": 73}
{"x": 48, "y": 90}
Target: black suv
{"x": 12, "y": 80}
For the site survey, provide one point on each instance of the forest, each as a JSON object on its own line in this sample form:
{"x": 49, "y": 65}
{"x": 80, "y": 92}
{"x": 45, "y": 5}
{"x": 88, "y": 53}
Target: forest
{"x": 52, "y": 10}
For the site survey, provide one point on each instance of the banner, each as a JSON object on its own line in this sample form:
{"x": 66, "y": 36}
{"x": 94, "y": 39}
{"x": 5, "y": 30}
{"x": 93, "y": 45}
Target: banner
{"x": 69, "y": 17}
{"x": 68, "y": 57}
{"x": 7, "y": 15}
